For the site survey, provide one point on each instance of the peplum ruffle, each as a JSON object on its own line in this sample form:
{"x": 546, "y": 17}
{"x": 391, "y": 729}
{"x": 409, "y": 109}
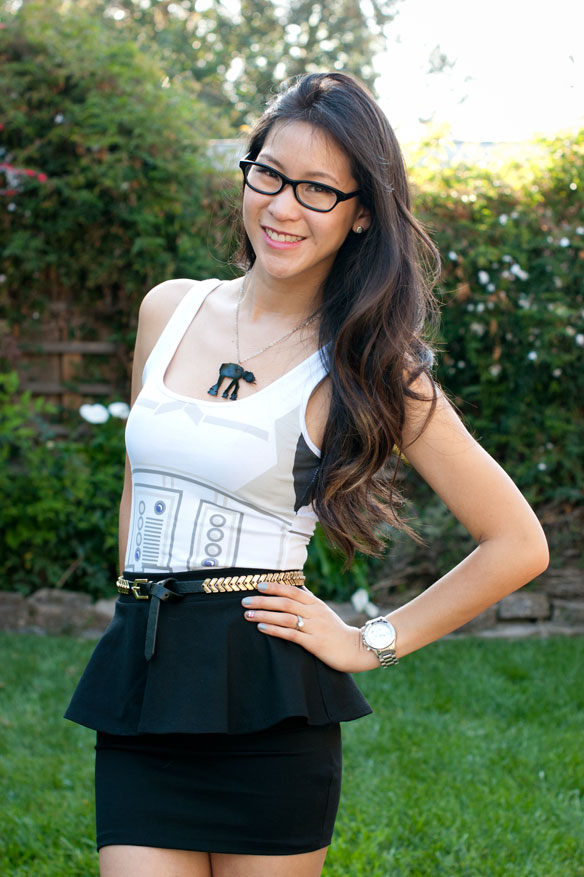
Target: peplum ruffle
{"x": 212, "y": 671}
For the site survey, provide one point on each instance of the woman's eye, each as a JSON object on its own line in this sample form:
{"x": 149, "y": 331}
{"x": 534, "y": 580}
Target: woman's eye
{"x": 319, "y": 190}
{"x": 267, "y": 172}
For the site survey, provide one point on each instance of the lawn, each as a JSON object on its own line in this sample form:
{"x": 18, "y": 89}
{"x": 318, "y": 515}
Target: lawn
{"x": 472, "y": 764}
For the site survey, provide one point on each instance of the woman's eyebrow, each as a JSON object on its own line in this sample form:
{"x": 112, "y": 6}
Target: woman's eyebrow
{"x": 310, "y": 175}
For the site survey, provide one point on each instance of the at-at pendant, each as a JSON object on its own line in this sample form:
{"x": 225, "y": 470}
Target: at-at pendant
{"x": 235, "y": 373}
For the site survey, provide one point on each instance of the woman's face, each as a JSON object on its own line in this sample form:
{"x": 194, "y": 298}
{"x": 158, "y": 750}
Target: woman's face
{"x": 291, "y": 241}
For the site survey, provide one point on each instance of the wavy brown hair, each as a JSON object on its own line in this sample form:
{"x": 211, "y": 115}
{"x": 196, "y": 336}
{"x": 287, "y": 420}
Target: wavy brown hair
{"x": 376, "y": 304}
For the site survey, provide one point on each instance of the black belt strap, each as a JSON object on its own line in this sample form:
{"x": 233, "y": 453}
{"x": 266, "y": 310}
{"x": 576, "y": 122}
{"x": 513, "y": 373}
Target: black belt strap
{"x": 159, "y": 593}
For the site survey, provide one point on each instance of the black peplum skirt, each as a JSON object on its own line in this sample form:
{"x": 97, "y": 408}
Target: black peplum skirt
{"x": 227, "y": 740}
{"x": 212, "y": 672}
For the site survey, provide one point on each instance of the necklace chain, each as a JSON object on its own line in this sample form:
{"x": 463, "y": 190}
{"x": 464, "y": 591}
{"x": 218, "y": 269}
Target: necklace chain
{"x": 272, "y": 343}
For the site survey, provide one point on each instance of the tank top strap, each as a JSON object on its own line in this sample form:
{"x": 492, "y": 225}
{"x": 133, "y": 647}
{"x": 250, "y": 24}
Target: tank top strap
{"x": 302, "y": 380}
{"x": 314, "y": 369}
{"x": 177, "y": 325}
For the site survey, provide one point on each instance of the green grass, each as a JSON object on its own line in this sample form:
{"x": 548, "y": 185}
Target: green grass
{"x": 472, "y": 764}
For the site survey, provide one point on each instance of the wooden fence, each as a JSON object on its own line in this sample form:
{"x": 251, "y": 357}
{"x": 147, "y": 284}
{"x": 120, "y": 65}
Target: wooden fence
{"x": 54, "y": 362}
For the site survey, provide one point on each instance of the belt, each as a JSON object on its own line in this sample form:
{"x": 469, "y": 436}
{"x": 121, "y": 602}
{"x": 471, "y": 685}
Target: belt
{"x": 159, "y": 592}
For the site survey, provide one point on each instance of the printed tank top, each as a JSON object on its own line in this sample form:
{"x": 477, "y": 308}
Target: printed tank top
{"x": 219, "y": 485}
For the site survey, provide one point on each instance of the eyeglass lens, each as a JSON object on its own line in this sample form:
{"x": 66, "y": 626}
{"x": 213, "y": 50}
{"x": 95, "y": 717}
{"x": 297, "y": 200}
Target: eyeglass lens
{"x": 269, "y": 182}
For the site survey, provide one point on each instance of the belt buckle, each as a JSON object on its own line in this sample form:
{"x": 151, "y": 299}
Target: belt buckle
{"x": 136, "y": 589}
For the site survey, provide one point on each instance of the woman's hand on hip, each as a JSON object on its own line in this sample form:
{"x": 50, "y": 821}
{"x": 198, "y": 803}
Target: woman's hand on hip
{"x": 295, "y": 614}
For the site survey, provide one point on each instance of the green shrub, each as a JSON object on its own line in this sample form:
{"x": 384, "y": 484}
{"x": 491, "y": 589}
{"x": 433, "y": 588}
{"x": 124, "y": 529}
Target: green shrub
{"x": 125, "y": 197}
{"x": 60, "y": 497}
{"x": 129, "y": 200}
{"x": 512, "y": 328}
{"x": 326, "y": 574}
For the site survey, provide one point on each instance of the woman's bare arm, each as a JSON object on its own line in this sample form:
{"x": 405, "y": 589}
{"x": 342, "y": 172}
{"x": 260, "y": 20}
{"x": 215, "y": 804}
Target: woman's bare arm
{"x": 511, "y": 550}
{"x": 155, "y": 311}
{"x": 511, "y": 546}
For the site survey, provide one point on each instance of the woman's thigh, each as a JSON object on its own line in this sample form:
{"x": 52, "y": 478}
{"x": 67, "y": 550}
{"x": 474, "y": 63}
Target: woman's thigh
{"x": 299, "y": 865}
{"x": 132, "y": 861}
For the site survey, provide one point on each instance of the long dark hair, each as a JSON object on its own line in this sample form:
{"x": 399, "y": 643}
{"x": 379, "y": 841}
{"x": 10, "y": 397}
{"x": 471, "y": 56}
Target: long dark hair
{"x": 376, "y": 303}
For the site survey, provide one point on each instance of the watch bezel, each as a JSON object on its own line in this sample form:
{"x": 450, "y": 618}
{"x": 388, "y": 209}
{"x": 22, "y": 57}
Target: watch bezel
{"x": 391, "y": 630}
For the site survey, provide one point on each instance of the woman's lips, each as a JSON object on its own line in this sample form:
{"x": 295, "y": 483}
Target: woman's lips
{"x": 280, "y": 240}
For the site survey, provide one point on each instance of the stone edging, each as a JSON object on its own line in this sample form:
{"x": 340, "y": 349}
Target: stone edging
{"x": 520, "y": 615}
{"x": 55, "y": 611}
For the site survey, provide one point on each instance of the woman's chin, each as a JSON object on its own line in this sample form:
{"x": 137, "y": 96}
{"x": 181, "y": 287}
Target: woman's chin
{"x": 282, "y": 268}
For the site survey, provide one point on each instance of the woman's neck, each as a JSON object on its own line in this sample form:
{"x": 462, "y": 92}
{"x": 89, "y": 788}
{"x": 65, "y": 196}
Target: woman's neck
{"x": 290, "y": 299}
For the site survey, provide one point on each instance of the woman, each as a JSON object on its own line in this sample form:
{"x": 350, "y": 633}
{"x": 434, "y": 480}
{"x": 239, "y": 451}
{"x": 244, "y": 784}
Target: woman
{"x": 218, "y": 710}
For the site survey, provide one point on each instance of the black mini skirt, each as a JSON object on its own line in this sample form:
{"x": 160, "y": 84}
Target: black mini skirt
{"x": 226, "y": 740}
{"x": 273, "y": 792}
{"x": 212, "y": 672}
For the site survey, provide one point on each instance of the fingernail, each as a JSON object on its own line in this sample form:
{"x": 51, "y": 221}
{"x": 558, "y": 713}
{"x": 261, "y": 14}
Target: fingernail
{"x": 246, "y": 601}
{"x": 250, "y": 613}
{"x": 263, "y": 626}
{"x": 262, "y": 586}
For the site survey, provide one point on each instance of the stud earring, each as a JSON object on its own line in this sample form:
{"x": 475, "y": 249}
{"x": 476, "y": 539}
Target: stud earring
{"x": 359, "y": 229}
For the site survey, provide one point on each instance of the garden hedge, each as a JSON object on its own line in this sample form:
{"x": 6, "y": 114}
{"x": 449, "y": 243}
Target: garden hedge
{"x": 107, "y": 190}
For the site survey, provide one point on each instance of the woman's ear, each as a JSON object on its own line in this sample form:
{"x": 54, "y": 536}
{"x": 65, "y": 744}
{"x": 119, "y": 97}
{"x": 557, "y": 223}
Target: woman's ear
{"x": 362, "y": 220}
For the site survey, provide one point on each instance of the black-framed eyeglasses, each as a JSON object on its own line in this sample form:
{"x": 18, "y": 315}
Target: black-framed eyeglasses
{"x": 268, "y": 181}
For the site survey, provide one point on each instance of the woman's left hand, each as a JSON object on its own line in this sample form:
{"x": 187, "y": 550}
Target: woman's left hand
{"x": 295, "y": 614}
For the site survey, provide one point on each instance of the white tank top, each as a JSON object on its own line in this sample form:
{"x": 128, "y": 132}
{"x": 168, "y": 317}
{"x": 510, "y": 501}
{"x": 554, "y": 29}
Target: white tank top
{"x": 219, "y": 485}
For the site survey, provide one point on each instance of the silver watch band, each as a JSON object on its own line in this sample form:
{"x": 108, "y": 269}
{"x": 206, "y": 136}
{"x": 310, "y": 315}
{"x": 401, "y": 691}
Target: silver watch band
{"x": 386, "y": 657}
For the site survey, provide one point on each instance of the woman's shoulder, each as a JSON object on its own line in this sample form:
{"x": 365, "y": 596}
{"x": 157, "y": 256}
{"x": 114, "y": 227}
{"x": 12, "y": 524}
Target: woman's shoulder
{"x": 162, "y": 300}
{"x": 158, "y": 305}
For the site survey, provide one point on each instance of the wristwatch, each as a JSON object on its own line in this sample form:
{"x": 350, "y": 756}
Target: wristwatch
{"x": 379, "y": 636}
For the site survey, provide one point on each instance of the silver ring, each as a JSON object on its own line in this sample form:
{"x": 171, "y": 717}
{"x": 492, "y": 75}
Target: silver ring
{"x": 300, "y": 622}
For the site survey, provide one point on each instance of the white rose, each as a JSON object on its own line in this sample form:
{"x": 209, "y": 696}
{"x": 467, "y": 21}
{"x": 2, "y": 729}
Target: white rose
{"x": 119, "y": 409}
{"x": 94, "y": 413}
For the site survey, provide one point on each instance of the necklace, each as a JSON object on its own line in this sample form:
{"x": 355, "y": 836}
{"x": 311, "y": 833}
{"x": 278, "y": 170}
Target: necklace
{"x": 235, "y": 370}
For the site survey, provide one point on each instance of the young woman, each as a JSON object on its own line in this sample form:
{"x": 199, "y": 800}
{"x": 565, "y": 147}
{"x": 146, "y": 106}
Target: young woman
{"x": 259, "y": 405}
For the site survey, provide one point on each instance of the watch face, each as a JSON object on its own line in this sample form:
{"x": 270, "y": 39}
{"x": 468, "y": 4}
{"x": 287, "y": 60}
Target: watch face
{"x": 379, "y": 635}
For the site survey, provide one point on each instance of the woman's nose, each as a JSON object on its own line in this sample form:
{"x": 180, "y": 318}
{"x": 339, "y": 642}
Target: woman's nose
{"x": 285, "y": 203}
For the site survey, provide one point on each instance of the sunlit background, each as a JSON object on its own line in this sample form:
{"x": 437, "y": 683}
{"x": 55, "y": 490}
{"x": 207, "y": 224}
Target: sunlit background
{"x": 517, "y": 68}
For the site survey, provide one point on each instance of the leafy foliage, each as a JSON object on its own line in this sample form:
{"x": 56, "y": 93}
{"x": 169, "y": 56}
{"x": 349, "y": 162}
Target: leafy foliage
{"x": 58, "y": 516}
{"x": 511, "y": 339}
{"x": 513, "y": 310}
{"x": 240, "y": 53}
{"x": 126, "y": 201}
{"x": 326, "y": 570}
{"x": 107, "y": 190}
